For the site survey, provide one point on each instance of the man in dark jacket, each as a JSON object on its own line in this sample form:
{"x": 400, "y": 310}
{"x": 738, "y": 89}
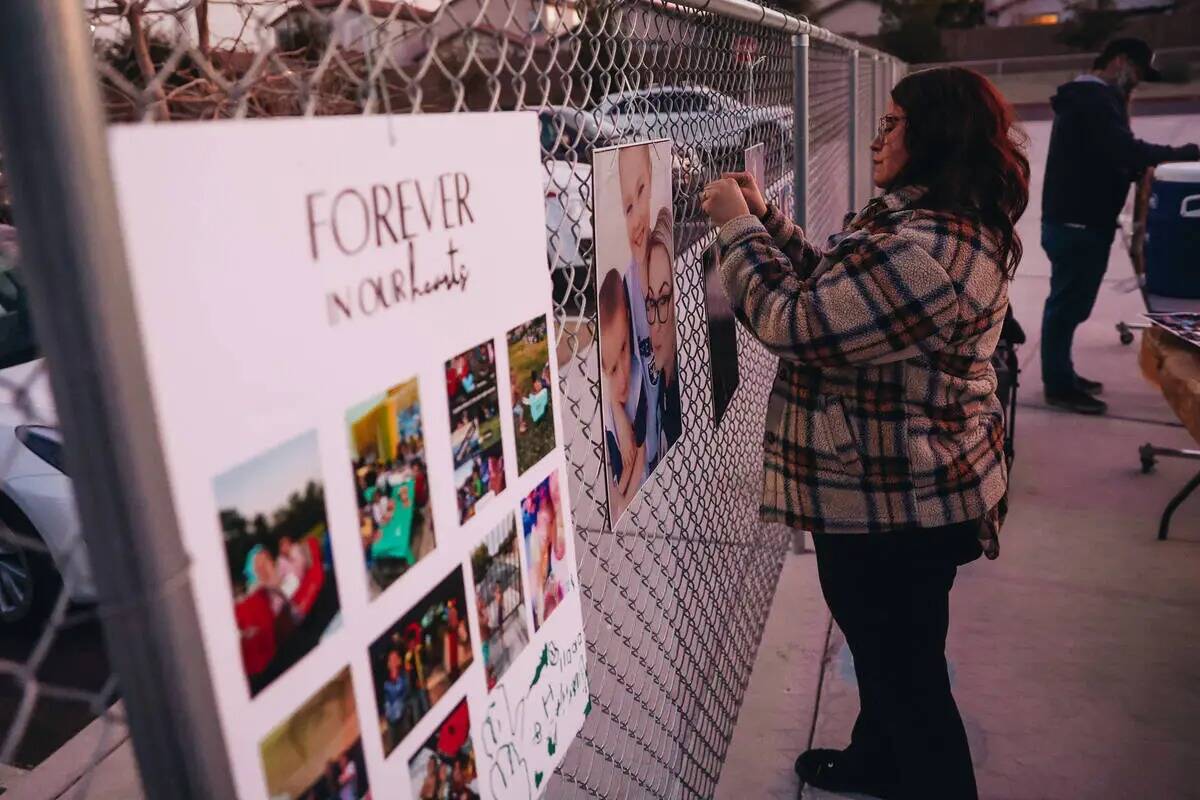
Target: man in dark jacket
{"x": 1093, "y": 159}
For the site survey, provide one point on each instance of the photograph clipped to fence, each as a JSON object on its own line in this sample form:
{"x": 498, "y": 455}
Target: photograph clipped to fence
{"x": 636, "y": 294}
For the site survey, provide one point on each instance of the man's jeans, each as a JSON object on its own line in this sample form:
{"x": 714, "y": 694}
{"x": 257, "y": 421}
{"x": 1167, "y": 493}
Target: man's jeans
{"x": 1078, "y": 260}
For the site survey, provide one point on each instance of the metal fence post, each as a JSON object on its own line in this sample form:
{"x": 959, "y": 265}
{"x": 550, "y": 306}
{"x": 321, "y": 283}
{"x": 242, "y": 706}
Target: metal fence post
{"x": 800, "y": 53}
{"x": 878, "y": 104}
{"x": 81, "y": 299}
{"x": 852, "y": 131}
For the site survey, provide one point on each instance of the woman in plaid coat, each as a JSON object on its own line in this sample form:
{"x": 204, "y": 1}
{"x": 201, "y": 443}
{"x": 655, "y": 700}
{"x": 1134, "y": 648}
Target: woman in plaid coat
{"x": 884, "y": 436}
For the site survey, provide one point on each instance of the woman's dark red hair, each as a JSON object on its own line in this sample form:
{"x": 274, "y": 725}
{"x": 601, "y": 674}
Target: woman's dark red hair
{"x": 964, "y": 145}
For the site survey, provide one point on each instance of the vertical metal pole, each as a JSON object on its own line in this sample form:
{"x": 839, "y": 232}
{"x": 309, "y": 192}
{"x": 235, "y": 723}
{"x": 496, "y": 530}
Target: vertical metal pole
{"x": 83, "y": 312}
{"x": 877, "y": 102}
{"x": 800, "y": 52}
{"x": 852, "y": 132}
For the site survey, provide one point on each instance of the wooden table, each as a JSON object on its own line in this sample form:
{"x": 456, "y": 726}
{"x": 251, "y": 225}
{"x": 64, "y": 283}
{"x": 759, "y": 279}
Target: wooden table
{"x": 1174, "y": 367}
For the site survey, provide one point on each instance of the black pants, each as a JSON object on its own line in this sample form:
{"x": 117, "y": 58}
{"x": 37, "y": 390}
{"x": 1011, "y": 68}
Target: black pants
{"x": 1078, "y": 260}
{"x": 890, "y": 595}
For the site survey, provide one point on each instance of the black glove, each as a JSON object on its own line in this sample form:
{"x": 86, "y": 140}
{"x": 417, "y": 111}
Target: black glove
{"x": 1189, "y": 152}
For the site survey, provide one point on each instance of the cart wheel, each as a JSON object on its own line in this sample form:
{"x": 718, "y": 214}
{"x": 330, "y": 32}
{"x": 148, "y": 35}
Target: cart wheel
{"x": 1148, "y": 458}
{"x": 1126, "y": 334}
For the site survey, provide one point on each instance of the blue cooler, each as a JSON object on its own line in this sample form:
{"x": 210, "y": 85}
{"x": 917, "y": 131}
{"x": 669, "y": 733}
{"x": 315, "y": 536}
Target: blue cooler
{"x": 1173, "y": 232}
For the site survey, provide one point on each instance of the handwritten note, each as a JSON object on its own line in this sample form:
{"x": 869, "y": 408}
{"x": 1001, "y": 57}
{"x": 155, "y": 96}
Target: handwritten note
{"x": 528, "y": 721}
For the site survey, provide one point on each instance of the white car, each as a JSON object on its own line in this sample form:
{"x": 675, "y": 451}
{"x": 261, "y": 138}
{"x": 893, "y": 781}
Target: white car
{"x": 711, "y": 123}
{"x": 568, "y": 137}
{"x": 41, "y": 547}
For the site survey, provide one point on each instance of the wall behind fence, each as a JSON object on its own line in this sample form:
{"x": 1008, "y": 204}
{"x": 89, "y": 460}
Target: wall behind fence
{"x": 675, "y": 598}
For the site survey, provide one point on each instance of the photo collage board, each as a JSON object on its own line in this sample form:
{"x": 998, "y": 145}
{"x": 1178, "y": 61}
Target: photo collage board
{"x": 358, "y": 413}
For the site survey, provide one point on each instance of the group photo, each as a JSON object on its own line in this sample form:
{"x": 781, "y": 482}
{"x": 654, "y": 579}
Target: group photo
{"x": 271, "y": 510}
{"x": 316, "y": 753}
{"x": 546, "y": 548}
{"x": 420, "y": 657}
{"x": 532, "y": 394}
{"x": 475, "y": 431}
{"x": 444, "y": 767}
{"x": 391, "y": 483}
{"x": 636, "y": 295}
{"x": 500, "y": 599}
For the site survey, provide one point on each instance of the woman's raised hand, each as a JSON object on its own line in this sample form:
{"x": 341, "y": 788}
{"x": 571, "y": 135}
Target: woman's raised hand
{"x": 750, "y": 190}
{"x": 723, "y": 200}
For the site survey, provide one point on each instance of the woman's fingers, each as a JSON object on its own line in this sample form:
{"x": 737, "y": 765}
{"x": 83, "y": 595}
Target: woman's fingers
{"x": 742, "y": 179}
{"x": 750, "y": 190}
{"x": 723, "y": 200}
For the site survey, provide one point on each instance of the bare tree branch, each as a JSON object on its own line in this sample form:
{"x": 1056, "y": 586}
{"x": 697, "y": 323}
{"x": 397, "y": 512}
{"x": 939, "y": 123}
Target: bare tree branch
{"x": 202, "y": 25}
{"x": 141, "y": 49}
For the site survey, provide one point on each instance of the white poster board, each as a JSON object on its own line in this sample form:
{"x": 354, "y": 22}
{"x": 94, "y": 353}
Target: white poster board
{"x": 347, "y": 324}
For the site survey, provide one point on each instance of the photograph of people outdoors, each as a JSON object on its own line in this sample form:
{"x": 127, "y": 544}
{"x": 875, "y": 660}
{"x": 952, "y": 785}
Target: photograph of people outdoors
{"x": 635, "y": 256}
{"x": 475, "y": 438}
{"x": 546, "y": 549}
{"x": 271, "y": 510}
{"x": 444, "y": 767}
{"x": 391, "y": 483}
{"x": 316, "y": 753}
{"x": 499, "y": 598}
{"x": 420, "y": 657}
{"x": 533, "y": 413}
{"x": 722, "y": 335}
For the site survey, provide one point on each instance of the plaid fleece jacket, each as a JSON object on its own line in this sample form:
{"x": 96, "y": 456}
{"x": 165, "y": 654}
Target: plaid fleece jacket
{"x": 884, "y": 412}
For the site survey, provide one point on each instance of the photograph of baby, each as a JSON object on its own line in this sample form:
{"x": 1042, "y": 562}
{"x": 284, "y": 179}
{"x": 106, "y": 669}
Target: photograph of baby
{"x": 316, "y": 753}
{"x": 391, "y": 483}
{"x": 550, "y": 576}
{"x": 533, "y": 413}
{"x": 444, "y": 767}
{"x": 475, "y": 438}
{"x": 636, "y": 292}
{"x": 722, "y": 335}
{"x": 271, "y": 510}
{"x": 500, "y": 598}
{"x": 420, "y": 657}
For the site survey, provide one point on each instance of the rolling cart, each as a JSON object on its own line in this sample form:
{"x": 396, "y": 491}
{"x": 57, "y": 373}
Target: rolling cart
{"x": 1167, "y": 209}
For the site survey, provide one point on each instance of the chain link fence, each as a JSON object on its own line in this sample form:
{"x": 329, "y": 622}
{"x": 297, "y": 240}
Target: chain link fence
{"x": 829, "y": 147}
{"x": 864, "y": 127}
{"x": 675, "y": 598}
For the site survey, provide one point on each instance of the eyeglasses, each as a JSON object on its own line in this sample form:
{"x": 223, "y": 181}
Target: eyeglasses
{"x": 887, "y": 124}
{"x": 658, "y": 307}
